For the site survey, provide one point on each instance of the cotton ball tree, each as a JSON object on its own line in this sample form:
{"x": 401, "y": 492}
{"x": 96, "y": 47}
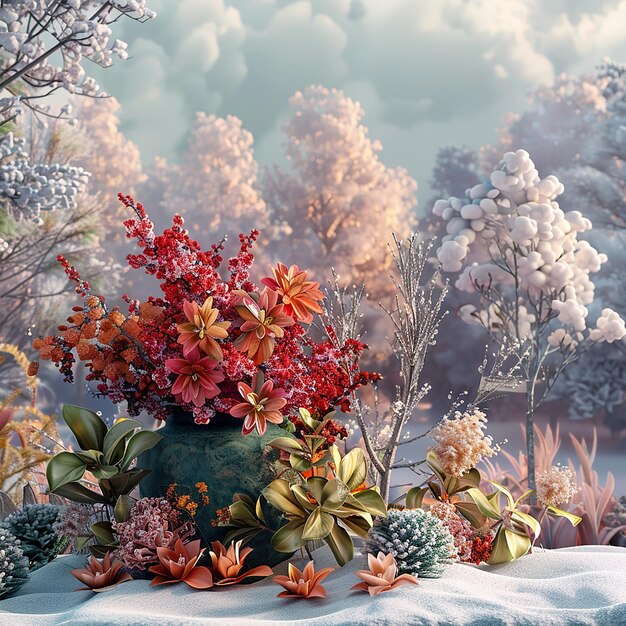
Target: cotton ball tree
{"x": 518, "y": 253}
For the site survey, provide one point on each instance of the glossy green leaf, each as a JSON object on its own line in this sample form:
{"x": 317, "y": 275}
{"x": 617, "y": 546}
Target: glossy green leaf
{"x": 90, "y": 457}
{"x": 288, "y": 538}
{"x": 122, "y": 508}
{"x": 278, "y": 493}
{"x": 124, "y": 483}
{"x": 334, "y": 494}
{"x": 357, "y": 524}
{"x": 435, "y": 465}
{"x": 573, "y": 519}
{"x": 415, "y": 497}
{"x": 76, "y": 492}
{"x": 527, "y": 520}
{"x": 340, "y": 543}
{"x": 353, "y": 469}
{"x": 471, "y": 513}
{"x": 484, "y": 505}
{"x": 242, "y": 515}
{"x": 318, "y": 525}
{"x": 105, "y": 471}
{"x": 500, "y": 552}
{"x": 316, "y": 484}
{"x": 138, "y": 443}
{"x": 288, "y": 444}
{"x": 243, "y": 534}
{"x": 103, "y": 532}
{"x": 305, "y": 416}
{"x": 113, "y": 440}
{"x": 300, "y": 493}
{"x": 372, "y": 501}
{"x": 299, "y": 462}
{"x": 523, "y": 496}
{"x": 244, "y": 497}
{"x": 88, "y": 427}
{"x": 506, "y": 492}
{"x": 64, "y": 468}
{"x": 519, "y": 545}
{"x": 81, "y": 542}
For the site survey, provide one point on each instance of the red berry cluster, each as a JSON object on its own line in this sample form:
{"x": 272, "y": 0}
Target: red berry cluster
{"x": 481, "y": 549}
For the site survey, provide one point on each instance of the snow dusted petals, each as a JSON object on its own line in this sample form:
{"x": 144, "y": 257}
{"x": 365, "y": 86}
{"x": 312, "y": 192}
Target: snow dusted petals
{"x": 556, "y": 486}
{"x": 609, "y": 327}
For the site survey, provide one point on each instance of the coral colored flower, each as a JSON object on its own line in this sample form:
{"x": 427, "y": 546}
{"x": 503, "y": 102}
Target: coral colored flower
{"x": 197, "y": 378}
{"x": 303, "y": 584}
{"x": 262, "y": 323}
{"x": 101, "y": 575}
{"x": 201, "y": 329}
{"x": 299, "y": 295}
{"x": 227, "y": 563}
{"x": 262, "y": 404}
{"x": 381, "y": 575}
{"x": 180, "y": 565}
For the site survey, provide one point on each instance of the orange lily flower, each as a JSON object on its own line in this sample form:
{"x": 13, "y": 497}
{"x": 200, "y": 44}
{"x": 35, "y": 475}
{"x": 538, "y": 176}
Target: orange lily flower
{"x": 381, "y": 575}
{"x": 303, "y": 584}
{"x": 227, "y": 563}
{"x": 299, "y": 295}
{"x": 101, "y": 575}
{"x": 201, "y": 329}
{"x": 180, "y": 565}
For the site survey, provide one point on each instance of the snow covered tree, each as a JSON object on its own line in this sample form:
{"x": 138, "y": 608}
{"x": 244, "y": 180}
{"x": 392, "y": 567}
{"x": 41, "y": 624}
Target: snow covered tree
{"x": 43, "y": 44}
{"x": 339, "y": 201}
{"x": 532, "y": 285}
{"x": 214, "y": 187}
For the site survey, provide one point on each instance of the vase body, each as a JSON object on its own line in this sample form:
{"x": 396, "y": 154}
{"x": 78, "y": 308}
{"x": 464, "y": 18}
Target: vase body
{"x": 220, "y": 456}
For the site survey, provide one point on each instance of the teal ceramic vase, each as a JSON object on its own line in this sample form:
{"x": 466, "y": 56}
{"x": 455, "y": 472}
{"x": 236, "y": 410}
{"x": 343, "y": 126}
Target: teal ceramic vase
{"x": 220, "y": 456}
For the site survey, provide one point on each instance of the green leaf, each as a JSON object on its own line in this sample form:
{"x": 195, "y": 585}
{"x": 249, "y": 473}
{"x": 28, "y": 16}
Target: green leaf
{"x": 124, "y": 483}
{"x": 299, "y": 462}
{"x": 318, "y": 525}
{"x": 288, "y": 538}
{"x": 353, "y": 469}
{"x": 484, "y": 505}
{"x": 138, "y": 443}
{"x": 302, "y": 499}
{"x": 357, "y": 524}
{"x": 87, "y": 426}
{"x": 90, "y": 457}
{"x": 372, "y": 501}
{"x": 64, "y": 468}
{"x": 527, "y": 520}
{"x": 244, "y": 497}
{"x": 81, "y": 542}
{"x": 316, "y": 484}
{"x": 288, "y": 444}
{"x": 506, "y": 492}
{"x": 518, "y": 544}
{"x": 435, "y": 465}
{"x": 278, "y": 493}
{"x": 79, "y": 493}
{"x": 573, "y": 519}
{"x": 524, "y": 496}
{"x": 341, "y": 545}
{"x": 305, "y": 416}
{"x": 113, "y": 440}
{"x": 242, "y": 515}
{"x": 500, "y": 552}
{"x": 314, "y": 442}
{"x": 103, "y": 531}
{"x": 122, "y": 508}
{"x": 415, "y": 497}
{"x": 245, "y": 534}
{"x": 471, "y": 513}
{"x": 334, "y": 494}
{"x": 105, "y": 471}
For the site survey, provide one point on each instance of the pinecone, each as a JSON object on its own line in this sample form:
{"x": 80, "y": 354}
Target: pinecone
{"x": 13, "y": 563}
{"x": 421, "y": 544}
{"x": 33, "y": 525}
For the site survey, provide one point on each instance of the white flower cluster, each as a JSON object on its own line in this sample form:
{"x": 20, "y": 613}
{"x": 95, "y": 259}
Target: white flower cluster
{"x": 27, "y": 189}
{"x": 82, "y": 28}
{"x": 532, "y": 246}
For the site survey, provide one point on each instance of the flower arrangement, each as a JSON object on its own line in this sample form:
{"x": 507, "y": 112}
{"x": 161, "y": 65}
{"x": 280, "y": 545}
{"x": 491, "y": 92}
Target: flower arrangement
{"x": 208, "y": 343}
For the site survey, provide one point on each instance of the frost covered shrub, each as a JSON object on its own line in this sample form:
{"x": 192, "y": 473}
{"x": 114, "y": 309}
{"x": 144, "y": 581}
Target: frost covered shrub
{"x": 420, "y": 542}
{"x": 13, "y": 563}
{"x": 34, "y": 527}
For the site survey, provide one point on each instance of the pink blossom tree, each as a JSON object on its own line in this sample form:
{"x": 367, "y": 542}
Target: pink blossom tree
{"x": 338, "y": 201}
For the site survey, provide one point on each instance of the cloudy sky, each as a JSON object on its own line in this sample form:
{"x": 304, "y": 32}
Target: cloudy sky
{"x": 428, "y": 72}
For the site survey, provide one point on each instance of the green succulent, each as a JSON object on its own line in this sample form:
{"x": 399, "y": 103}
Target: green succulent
{"x": 13, "y": 564}
{"x": 108, "y": 454}
{"x": 420, "y": 542}
{"x": 33, "y": 526}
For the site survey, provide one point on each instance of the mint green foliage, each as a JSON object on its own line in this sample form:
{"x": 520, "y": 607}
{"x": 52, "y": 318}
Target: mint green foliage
{"x": 13, "y": 563}
{"x": 421, "y": 544}
{"x": 34, "y": 527}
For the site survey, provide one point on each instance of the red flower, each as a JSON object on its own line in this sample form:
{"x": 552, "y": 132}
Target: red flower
{"x": 197, "y": 378}
{"x": 261, "y": 405}
{"x": 299, "y": 295}
{"x": 262, "y": 323}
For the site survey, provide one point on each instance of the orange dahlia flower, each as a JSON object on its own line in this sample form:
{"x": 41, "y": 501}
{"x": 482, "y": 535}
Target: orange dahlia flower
{"x": 262, "y": 323}
{"x": 197, "y": 378}
{"x": 201, "y": 329}
{"x": 299, "y": 296}
{"x": 262, "y": 404}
